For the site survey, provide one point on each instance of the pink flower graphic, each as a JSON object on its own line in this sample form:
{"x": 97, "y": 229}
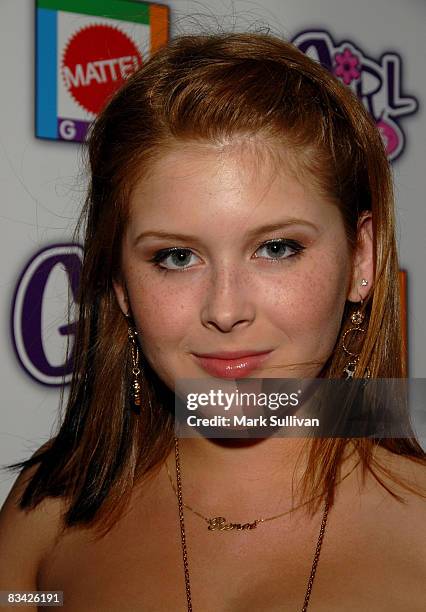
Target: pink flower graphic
{"x": 347, "y": 66}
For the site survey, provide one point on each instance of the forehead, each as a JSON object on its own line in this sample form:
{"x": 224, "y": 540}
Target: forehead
{"x": 235, "y": 181}
{"x": 240, "y": 159}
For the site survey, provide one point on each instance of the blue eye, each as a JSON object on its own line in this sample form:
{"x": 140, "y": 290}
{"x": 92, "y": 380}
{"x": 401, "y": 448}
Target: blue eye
{"x": 280, "y": 249}
{"x": 181, "y": 259}
{"x": 173, "y": 259}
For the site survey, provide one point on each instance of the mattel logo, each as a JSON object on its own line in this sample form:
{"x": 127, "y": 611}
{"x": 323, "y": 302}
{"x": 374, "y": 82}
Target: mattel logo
{"x": 84, "y": 53}
{"x": 40, "y": 329}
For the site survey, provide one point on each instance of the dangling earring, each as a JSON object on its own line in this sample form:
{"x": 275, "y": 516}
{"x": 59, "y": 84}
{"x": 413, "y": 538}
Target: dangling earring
{"x": 135, "y": 385}
{"x": 357, "y": 318}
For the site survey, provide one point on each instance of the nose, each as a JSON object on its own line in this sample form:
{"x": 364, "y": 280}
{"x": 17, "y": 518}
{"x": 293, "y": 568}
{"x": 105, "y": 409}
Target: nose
{"x": 228, "y": 303}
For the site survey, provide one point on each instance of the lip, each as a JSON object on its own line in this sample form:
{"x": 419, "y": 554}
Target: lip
{"x": 231, "y": 364}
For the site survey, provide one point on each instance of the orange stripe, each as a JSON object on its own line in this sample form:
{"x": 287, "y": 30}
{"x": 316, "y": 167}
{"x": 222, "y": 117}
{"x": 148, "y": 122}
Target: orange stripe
{"x": 404, "y": 321}
{"x": 159, "y": 26}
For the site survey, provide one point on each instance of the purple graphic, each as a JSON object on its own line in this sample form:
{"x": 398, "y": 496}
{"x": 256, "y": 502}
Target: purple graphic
{"x": 376, "y": 82}
{"x": 71, "y": 129}
{"x": 29, "y": 333}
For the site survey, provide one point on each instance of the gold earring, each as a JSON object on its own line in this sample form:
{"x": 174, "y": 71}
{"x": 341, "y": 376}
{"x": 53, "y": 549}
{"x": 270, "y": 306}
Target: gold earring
{"x": 135, "y": 385}
{"x": 357, "y": 318}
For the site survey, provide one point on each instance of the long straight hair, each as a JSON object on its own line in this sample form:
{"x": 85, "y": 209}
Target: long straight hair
{"x": 211, "y": 88}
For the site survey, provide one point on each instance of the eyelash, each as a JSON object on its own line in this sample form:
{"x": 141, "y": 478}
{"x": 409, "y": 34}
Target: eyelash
{"x": 163, "y": 254}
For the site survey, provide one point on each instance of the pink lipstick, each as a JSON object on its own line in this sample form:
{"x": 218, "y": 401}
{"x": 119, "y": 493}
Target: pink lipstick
{"x": 235, "y": 364}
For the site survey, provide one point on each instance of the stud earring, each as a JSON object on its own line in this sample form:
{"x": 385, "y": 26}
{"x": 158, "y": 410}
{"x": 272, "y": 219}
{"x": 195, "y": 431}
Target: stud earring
{"x": 364, "y": 282}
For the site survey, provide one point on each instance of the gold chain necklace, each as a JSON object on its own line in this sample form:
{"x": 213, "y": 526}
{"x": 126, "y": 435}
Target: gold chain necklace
{"x": 219, "y": 523}
{"x": 185, "y": 552}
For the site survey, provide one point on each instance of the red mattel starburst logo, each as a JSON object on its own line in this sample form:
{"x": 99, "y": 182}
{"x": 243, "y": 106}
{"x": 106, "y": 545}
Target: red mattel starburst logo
{"x": 96, "y": 61}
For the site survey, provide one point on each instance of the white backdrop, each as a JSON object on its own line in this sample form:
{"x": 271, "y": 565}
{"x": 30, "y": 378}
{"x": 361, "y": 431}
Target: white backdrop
{"x": 42, "y": 185}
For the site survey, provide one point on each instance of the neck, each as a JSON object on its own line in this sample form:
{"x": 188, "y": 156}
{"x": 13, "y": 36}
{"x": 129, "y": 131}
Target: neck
{"x": 239, "y": 476}
{"x": 242, "y": 458}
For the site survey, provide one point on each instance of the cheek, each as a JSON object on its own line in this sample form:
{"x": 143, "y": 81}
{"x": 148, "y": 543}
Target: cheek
{"x": 163, "y": 311}
{"x": 308, "y": 300}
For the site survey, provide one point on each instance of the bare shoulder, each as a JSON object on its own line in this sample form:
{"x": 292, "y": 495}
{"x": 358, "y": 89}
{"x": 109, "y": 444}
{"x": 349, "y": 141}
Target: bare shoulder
{"x": 410, "y": 471}
{"x": 405, "y": 518}
{"x": 26, "y": 536}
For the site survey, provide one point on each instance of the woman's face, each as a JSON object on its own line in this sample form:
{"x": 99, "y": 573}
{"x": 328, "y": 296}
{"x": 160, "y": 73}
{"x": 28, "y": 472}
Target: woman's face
{"x": 226, "y": 252}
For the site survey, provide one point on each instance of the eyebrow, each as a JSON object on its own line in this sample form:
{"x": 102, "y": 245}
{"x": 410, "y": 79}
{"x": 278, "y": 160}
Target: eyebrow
{"x": 250, "y": 234}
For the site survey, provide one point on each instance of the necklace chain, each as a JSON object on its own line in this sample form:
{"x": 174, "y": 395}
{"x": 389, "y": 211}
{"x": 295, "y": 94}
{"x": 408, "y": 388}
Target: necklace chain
{"x": 185, "y": 552}
{"x": 219, "y": 522}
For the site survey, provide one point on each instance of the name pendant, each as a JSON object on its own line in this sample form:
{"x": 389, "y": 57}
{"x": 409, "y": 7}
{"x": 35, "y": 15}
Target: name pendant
{"x": 218, "y": 523}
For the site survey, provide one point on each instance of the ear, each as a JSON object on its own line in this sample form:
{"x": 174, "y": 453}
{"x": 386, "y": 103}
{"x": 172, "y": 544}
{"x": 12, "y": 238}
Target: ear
{"x": 120, "y": 291}
{"x": 362, "y": 263}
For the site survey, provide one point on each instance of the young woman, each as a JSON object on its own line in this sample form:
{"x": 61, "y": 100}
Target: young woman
{"x": 239, "y": 222}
